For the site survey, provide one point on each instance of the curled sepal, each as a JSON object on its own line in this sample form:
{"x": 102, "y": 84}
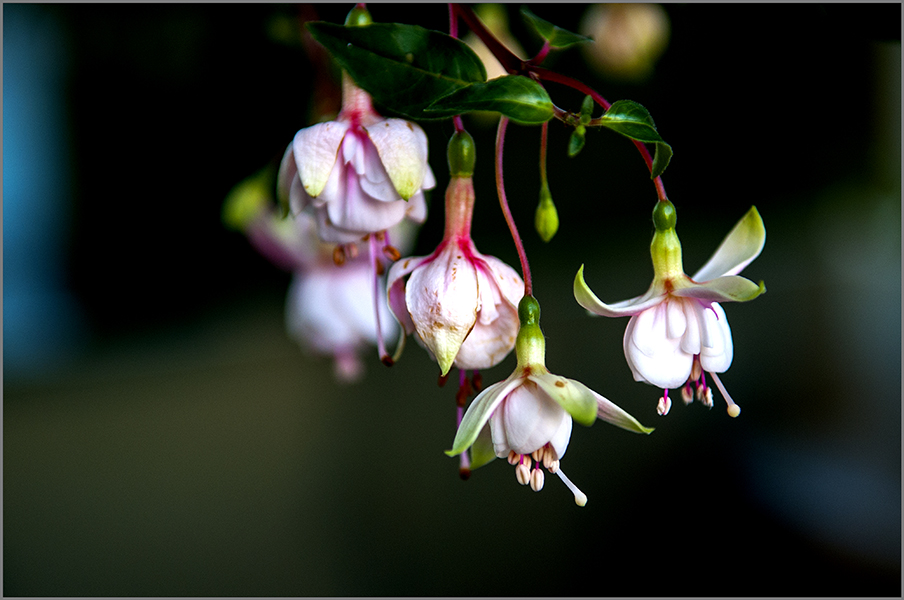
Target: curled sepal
{"x": 586, "y": 298}
{"x": 555, "y": 35}
{"x": 478, "y": 414}
{"x": 482, "y": 451}
{"x": 731, "y": 288}
{"x": 743, "y": 244}
{"x": 610, "y": 412}
{"x": 577, "y": 399}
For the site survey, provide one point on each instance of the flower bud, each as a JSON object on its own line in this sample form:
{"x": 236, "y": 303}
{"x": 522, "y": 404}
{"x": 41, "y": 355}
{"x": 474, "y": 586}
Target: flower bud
{"x": 546, "y": 219}
{"x": 461, "y": 154}
{"x": 358, "y": 17}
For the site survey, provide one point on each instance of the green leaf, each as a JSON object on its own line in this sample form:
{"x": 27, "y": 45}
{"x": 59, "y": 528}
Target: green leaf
{"x": 403, "y": 67}
{"x": 634, "y": 121}
{"x": 556, "y": 36}
{"x": 519, "y": 98}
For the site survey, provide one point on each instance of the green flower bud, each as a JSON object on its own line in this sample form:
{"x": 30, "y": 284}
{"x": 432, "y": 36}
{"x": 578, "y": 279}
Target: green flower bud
{"x": 461, "y": 153}
{"x": 664, "y": 216}
{"x": 529, "y": 311}
{"x": 358, "y": 17}
{"x": 576, "y": 142}
{"x": 546, "y": 219}
{"x": 587, "y": 110}
{"x": 530, "y": 345}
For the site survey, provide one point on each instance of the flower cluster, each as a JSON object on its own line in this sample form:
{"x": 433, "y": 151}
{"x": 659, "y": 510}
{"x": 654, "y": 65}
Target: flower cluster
{"x": 353, "y": 191}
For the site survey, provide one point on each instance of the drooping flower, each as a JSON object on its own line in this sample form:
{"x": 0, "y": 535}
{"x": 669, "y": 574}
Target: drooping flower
{"x": 677, "y": 329}
{"x": 359, "y": 174}
{"x": 330, "y": 309}
{"x": 529, "y": 415}
{"x": 462, "y": 304}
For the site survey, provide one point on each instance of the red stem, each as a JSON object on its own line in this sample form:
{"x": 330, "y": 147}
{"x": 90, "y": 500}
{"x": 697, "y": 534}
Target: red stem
{"x": 507, "y": 213}
{"x": 506, "y": 58}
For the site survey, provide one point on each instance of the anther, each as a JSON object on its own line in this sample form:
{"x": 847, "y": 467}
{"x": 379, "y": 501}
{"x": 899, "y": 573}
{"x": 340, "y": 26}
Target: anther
{"x": 513, "y": 458}
{"x": 708, "y": 398}
{"x": 351, "y": 250}
{"x": 687, "y": 394}
{"x": 536, "y": 479}
{"x": 665, "y": 404}
{"x": 338, "y": 256}
{"x": 477, "y": 381}
{"x": 380, "y": 269}
{"x": 696, "y": 369}
{"x": 387, "y": 360}
{"x": 539, "y": 454}
{"x": 522, "y": 473}
{"x": 392, "y": 253}
{"x": 380, "y": 235}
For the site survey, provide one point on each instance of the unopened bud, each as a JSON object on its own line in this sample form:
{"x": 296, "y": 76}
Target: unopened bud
{"x": 586, "y": 110}
{"x": 576, "y": 141}
{"x": 461, "y": 154}
{"x": 664, "y": 215}
{"x": 358, "y": 17}
{"x": 546, "y": 219}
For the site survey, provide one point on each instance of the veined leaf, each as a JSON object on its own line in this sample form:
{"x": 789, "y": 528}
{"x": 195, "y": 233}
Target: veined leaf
{"x": 519, "y": 98}
{"x": 555, "y": 35}
{"x": 634, "y": 121}
{"x": 403, "y": 67}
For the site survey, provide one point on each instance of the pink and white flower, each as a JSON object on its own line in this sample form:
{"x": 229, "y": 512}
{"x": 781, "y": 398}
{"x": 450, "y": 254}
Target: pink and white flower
{"x": 462, "y": 304}
{"x": 529, "y": 415}
{"x": 677, "y": 329}
{"x": 359, "y": 174}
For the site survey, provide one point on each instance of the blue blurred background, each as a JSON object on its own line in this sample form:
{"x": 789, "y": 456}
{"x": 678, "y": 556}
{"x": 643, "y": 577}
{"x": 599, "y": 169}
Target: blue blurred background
{"x": 163, "y": 436}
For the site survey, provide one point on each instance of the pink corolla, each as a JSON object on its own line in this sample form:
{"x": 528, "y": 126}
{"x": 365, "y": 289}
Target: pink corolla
{"x": 529, "y": 415}
{"x": 359, "y": 174}
{"x": 461, "y": 304}
{"x": 677, "y": 329}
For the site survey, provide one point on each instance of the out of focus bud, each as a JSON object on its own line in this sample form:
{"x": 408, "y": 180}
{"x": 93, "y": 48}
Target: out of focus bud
{"x": 628, "y": 39}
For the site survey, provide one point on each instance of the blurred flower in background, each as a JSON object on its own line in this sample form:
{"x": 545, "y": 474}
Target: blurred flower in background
{"x": 628, "y": 39}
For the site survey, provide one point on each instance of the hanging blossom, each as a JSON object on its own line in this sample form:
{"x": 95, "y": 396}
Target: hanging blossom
{"x": 462, "y": 304}
{"x": 359, "y": 174}
{"x": 330, "y": 309}
{"x": 678, "y": 331}
{"x": 529, "y": 415}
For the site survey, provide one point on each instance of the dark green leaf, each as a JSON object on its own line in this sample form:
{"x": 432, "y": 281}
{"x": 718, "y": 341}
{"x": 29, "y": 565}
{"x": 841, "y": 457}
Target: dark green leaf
{"x": 576, "y": 141}
{"x": 404, "y": 67}
{"x": 556, "y": 36}
{"x": 661, "y": 159}
{"x": 634, "y": 121}
{"x": 519, "y": 98}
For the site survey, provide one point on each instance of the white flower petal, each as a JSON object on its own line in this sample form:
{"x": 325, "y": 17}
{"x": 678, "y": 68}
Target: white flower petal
{"x": 402, "y": 146}
{"x": 717, "y": 357}
{"x": 651, "y": 355}
{"x": 526, "y": 420}
{"x": 316, "y": 149}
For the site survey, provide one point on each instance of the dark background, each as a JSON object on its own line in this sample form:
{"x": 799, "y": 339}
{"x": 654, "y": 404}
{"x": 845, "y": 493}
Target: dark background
{"x": 162, "y": 436}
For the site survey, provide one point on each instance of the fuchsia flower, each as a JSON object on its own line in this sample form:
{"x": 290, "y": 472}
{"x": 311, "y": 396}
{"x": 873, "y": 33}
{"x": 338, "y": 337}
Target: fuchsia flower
{"x": 359, "y": 174}
{"x": 462, "y": 304}
{"x": 330, "y": 309}
{"x": 529, "y": 414}
{"x": 677, "y": 329}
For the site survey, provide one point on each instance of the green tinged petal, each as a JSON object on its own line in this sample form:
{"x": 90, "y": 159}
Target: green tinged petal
{"x": 576, "y": 398}
{"x": 482, "y": 452}
{"x": 738, "y": 249}
{"x": 612, "y": 413}
{"x": 732, "y": 288}
{"x": 479, "y": 413}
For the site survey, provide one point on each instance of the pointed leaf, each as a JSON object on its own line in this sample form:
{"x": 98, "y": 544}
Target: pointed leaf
{"x": 632, "y": 120}
{"x": 555, "y": 35}
{"x": 519, "y": 98}
{"x": 660, "y": 159}
{"x": 404, "y": 67}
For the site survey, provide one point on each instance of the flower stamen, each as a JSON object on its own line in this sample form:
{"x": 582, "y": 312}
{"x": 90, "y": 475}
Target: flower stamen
{"x": 665, "y": 404}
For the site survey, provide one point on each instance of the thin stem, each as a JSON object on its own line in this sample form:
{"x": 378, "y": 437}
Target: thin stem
{"x": 547, "y": 75}
{"x": 507, "y": 213}
{"x": 453, "y": 21}
{"x": 509, "y": 62}
{"x": 541, "y": 55}
{"x": 544, "y": 129}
